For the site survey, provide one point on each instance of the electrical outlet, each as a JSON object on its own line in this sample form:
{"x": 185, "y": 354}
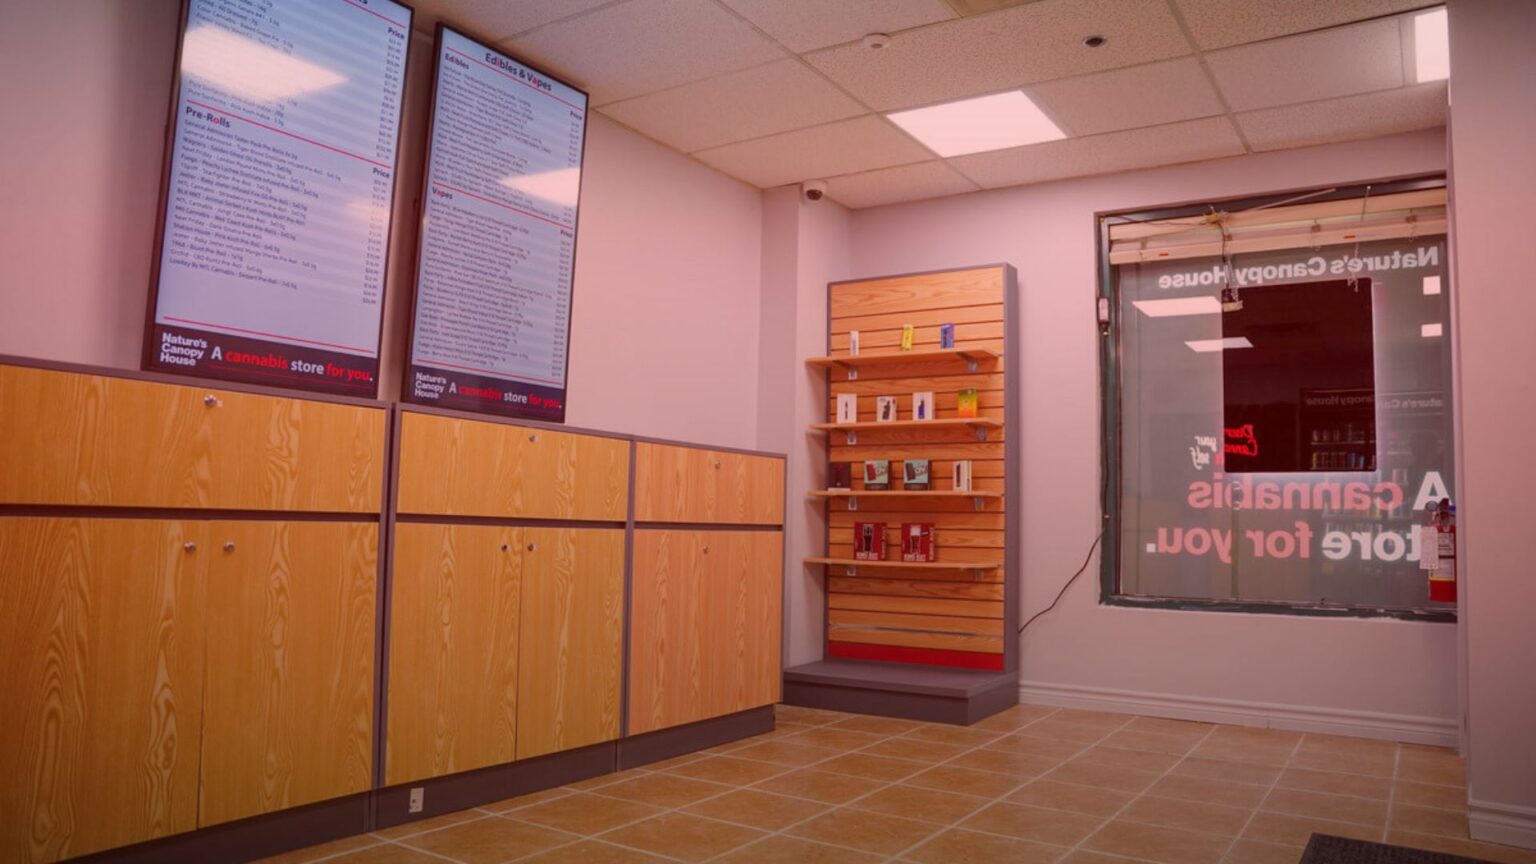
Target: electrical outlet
{"x": 418, "y": 799}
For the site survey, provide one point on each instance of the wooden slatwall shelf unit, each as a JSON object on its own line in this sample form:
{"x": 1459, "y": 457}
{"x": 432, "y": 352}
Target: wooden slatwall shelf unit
{"x": 929, "y": 640}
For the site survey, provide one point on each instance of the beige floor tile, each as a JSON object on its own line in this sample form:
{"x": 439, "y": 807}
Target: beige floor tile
{"x": 1088, "y": 800}
{"x": 1255, "y": 752}
{"x": 834, "y": 738}
{"x": 915, "y": 802}
{"x": 1206, "y": 789}
{"x": 958, "y": 846}
{"x": 602, "y": 780}
{"x": 1093, "y": 719}
{"x": 1289, "y": 830}
{"x": 1189, "y": 815}
{"x": 869, "y": 832}
{"x": 1109, "y": 777}
{"x": 489, "y": 841}
{"x": 1155, "y": 843}
{"x": 1430, "y": 795}
{"x": 1429, "y": 820}
{"x": 421, "y": 825}
{"x": 876, "y": 725}
{"x": 386, "y": 853}
{"x": 1083, "y": 856}
{"x": 324, "y": 850}
{"x": 528, "y": 800}
{"x": 1047, "y": 748}
{"x": 1340, "y": 808}
{"x": 1254, "y": 735}
{"x": 729, "y": 770}
{"x": 931, "y": 752}
{"x": 1150, "y": 742}
{"x": 1055, "y": 726}
{"x": 784, "y": 753}
{"x": 793, "y": 850}
{"x": 1468, "y": 848}
{"x": 823, "y": 786}
{"x": 584, "y": 813}
{"x": 1055, "y": 827}
{"x": 589, "y": 852}
{"x": 1313, "y": 742}
{"x": 662, "y": 790}
{"x": 1230, "y": 772}
{"x": 967, "y": 781}
{"x": 683, "y": 836}
{"x": 1373, "y": 764}
{"x": 1358, "y": 785}
{"x": 1017, "y": 765}
{"x": 1010, "y": 719}
{"x": 1139, "y": 760}
{"x": 863, "y": 764}
{"x": 674, "y": 762}
{"x": 960, "y": 736}
{"x": 1254, "y": 852}
{"x": 1431, "y": 765}
{"x": 1190, "y": 730}
{"x": 758, "y": 809}
{"x": 808, "y": 716}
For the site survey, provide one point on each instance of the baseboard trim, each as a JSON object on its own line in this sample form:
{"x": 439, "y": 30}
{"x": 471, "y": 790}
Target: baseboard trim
{"x": 1333, "y": 721}
{"x": 1509, "y": 824}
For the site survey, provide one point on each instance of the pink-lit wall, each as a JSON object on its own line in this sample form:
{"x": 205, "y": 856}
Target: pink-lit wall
{"x": 1493, "y": 125}
{"x": 1375, "y": 677}
{"x": 668, "y": 252}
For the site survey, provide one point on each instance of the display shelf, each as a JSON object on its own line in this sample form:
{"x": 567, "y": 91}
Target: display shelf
{"x": 851, "y": 430}
{"x": 978, "y": 496}
{"x": 853, "y": 564}
{"x": 973, "y": 358}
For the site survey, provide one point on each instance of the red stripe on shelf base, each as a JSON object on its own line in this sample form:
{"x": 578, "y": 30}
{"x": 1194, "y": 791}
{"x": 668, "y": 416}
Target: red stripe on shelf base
{"x": 922, "y": 656}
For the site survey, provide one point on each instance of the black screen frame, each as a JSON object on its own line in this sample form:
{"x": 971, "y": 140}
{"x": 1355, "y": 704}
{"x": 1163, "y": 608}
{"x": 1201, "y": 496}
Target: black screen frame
{"x": 173, "y": 119}
{"x": 508, "y": 409}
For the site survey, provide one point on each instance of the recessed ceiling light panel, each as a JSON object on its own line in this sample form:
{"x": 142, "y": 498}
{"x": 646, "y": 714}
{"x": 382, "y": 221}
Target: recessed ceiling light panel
{"x": 977, "y": 125}
{"x": 1431, "y": 47}
{"x": 1204, "y": 304}
{"x": 1205, "y": 345}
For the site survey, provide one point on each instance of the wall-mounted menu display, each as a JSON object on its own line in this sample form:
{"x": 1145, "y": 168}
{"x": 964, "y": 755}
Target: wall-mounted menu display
{"x": 279, "y": 185}
{"x": 498, "y": 236}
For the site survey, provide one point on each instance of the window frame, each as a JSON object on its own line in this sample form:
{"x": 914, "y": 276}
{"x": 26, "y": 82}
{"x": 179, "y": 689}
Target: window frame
{"x": 1111, "y": 436}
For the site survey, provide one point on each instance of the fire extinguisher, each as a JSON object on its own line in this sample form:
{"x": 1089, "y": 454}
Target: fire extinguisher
{"x": 1442, "y": 579}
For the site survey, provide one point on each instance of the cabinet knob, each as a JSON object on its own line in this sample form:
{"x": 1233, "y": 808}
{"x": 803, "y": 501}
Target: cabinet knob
{"x": 506, "y": 546}
{"x": 189, "y": 547}
{"x": 717, "y": 463}
{"x": 533, "y": 438}
{"x": 229, "y": 545}
{"x": 211, "y": 401}
{"x": 533, "y": 547}
{"x": 706, "y": 550}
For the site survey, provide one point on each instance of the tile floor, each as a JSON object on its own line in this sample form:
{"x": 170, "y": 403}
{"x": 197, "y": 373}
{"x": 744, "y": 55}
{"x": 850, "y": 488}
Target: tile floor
{"x": 1033, "y": 784}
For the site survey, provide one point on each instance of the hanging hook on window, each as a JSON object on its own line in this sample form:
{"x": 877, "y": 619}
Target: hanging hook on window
{"x": 1355, "y": 263}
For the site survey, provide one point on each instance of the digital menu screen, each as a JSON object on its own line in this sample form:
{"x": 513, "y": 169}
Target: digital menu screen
{"x": 492, "y": 315}
{"x": 275, "y": 231}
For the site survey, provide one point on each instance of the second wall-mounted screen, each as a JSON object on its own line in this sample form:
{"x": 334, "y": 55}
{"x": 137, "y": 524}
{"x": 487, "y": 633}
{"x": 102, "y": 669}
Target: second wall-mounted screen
{"x": 498, "y": 237}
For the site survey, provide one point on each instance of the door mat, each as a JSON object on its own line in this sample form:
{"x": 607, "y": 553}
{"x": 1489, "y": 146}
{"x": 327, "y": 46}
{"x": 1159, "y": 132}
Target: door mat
{"x": 1327, "y": 849}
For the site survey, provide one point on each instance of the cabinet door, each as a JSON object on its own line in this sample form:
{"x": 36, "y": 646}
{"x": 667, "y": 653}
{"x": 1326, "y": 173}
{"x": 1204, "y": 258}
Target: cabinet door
{"x": 452, "y": 649}
{"x": 705, "y": 625}
{"x": 569, "y": 652}
{"x": 101, "y": 631}
{"x": 289, "y": 707}
{"x": 74, "y": 439}
{"x": 474, "y": 468}
{"x": 686, "y": 484}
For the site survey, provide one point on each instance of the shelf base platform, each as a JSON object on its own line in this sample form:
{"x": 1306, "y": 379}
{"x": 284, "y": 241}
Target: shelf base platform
{"x": 934, "y": 694}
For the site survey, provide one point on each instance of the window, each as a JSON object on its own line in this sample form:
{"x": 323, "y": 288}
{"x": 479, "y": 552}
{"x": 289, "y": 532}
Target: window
{"x": 1277, "y": 401}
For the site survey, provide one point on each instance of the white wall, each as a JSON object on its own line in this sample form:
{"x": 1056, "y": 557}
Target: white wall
{"x": 1493, "y": 125}
{"x": 1380, "y": 677}
{"x": 665, "y": 308}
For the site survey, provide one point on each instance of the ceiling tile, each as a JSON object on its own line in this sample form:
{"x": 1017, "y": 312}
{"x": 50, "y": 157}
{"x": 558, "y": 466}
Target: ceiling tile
{"x": 891, "y": 185}
{"x": 1220, "y": 23}
{"x": 1000, "y": 50}
{"x": 497, "y": 19}
{"x": 804, "y": 25}
{"x": 646, "y": 45}
{"x": 1340, "y": 62}
{"x": 748, "y": 104}
{"x": 844, "y": 147}
{"x": 1190, "y": 141}
{"x": 1127, "y": 98}
{"x": 1352, "y": 117}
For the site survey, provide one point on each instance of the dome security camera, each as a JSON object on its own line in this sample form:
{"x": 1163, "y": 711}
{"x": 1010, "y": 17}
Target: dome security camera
{"x": 813, "y": 190}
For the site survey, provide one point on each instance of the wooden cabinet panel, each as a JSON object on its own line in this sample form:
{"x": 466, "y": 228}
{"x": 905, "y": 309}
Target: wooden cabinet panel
{"x": 570, "y": 646}
{"x": 687, "y": 484}
{"x": 705, "y": 625}
{"x": 289, "y": 694}
{"x": 101, "y": 628}
{"x": 472, "y": 468}
{"x": 92, "y": 440}
{"x": 453, "y": 645}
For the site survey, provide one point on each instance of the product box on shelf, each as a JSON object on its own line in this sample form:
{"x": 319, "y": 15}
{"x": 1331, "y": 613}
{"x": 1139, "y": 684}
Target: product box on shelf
{"x": 917, "y": 542}
{"x": 869, "y": 541}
